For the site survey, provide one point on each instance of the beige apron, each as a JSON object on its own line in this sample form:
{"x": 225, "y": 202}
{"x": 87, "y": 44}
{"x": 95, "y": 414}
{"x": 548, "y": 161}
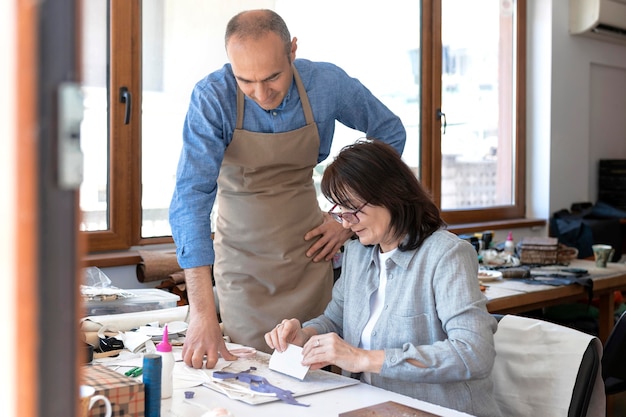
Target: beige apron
{"x": 267, "y": 203}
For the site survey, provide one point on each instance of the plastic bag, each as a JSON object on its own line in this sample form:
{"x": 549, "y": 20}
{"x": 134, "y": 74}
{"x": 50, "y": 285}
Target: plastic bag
{"x": 97, "y": 286}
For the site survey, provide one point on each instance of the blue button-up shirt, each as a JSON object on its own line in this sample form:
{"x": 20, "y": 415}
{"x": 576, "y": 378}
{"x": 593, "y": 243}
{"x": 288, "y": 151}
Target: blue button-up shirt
{"x": 209, "y": 126}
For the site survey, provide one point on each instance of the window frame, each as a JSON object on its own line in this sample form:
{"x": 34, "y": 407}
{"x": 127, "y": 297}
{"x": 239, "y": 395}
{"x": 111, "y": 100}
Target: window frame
{"x": 124, "y": 175}
{"x": 124, "y": 188}
{"x": 431, "y": 126}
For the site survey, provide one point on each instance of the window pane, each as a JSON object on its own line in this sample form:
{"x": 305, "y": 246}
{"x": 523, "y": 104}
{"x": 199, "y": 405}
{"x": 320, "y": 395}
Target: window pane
{"x": 477, "y": 166}
{"x": 184, "y": 41}
{"x": 94, "y": 129}
{"x": 166, "y": 53}
{"x": 378, "y": 45}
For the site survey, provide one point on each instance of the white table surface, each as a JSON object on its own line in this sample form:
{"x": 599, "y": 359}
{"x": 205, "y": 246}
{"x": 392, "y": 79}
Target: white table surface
{"x": 323, "y": 404}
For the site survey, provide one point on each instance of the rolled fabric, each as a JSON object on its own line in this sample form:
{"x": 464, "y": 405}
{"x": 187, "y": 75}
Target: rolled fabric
{"x": 178, "y": 277}
{"x": 127, "y": 321}
{"x": 157, "y": 265}
{"x": 176, "y": 285}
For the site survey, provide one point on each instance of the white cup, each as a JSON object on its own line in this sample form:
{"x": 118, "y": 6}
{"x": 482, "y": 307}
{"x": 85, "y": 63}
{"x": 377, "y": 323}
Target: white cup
{"x": 88, "y": 399}
{"x": 602, "y": 254}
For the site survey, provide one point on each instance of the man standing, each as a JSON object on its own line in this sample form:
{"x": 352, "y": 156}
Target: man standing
{"x": 254, "y": 131}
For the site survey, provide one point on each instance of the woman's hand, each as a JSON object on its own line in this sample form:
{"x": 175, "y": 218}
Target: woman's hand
{"x": 330, "y": 349}
{"x": 285, "y": 333}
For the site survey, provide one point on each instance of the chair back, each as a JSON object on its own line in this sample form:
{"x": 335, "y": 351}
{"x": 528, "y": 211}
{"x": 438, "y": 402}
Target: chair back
{"x": 545, "y": 369}
{"x": 614, "y": 358}
{"x": 586, "y": 378}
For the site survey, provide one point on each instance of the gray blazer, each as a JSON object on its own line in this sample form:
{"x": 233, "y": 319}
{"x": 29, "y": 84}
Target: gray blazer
{"x": 434, "y": 313}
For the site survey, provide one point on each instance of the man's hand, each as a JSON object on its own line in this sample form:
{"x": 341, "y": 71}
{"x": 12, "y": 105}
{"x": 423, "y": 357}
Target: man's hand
{"x": 331, "y": 236}
{"x": 204, "y": 336}
{"x": 204, "y": 339}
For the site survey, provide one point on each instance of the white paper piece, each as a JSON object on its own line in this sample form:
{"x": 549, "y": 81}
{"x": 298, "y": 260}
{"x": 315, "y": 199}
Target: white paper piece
{"x": 135, "y": 341}
{"x": 154, "y": 331}
{"x": 187, "y": 377}
{"x": 124, "y": 359}
{"x": 289, "y": 362}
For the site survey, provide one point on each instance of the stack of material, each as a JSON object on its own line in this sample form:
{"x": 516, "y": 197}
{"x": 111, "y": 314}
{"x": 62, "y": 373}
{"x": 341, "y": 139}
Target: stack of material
{"x": 538, "y": 250}
{"x": 163, "y": 266}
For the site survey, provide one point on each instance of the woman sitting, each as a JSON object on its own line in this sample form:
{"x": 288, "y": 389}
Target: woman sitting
{"x": 406, "y": 313}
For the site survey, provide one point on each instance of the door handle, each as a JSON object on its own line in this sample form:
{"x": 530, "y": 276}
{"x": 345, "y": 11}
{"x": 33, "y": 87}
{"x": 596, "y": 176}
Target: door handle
{"x": 441, "y": 115}
{"x": 126, "y": 98}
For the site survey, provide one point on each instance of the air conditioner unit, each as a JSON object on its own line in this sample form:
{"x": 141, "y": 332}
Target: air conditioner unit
{"x": 600, "y": 19}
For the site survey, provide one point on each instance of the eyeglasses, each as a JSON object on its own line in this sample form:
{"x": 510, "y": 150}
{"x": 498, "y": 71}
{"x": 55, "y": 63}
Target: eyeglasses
{"x": 349, "y": 216}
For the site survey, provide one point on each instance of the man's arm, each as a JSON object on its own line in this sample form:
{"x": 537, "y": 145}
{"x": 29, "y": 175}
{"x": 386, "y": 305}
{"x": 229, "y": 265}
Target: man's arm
{"x": 204, "y": 335}
{"x": 196, "y": 181}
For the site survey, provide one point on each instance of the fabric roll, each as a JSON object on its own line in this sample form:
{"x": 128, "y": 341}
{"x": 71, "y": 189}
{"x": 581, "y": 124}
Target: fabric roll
{"x": 175, "y": 284}
{"x": 178, "y": 277}
{"x": 127, "y": 321}
{"x": 157, "y": 265}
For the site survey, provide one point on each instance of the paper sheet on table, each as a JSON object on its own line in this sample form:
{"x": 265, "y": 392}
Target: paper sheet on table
{"x": 187, "y": 377}
{"x": 124, "y": 359}
{"x": 289, "y": 362}
{"x": 315, "y": 381}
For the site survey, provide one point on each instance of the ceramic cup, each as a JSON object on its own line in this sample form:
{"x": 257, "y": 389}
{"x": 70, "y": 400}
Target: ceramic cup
{"x": 88, "y": 399}
{"x": 602, "y": 254}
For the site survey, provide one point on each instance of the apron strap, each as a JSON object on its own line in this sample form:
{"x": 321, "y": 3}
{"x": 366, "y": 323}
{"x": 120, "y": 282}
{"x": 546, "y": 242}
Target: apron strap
{"x": 240, "y": 101}
{"x": 304, "y": 97}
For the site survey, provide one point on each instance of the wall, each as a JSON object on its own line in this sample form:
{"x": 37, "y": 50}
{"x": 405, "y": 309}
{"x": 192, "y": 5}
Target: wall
{"x": 125, "y": 277}
{"x": 585, "y": 126}
{"x": 570, "y": 125}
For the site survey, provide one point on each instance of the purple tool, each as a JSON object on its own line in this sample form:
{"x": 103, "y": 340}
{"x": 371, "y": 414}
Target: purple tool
{"x": 259, "y": 384}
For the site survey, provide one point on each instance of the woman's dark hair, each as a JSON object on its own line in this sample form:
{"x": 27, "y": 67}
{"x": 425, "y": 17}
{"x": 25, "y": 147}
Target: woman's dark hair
{"x": 374, "y": 172}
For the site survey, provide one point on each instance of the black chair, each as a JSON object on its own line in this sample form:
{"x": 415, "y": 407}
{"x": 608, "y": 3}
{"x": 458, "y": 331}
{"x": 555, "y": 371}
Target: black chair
{"x": 614, "y": 359}
{"x": 585, "y": 378}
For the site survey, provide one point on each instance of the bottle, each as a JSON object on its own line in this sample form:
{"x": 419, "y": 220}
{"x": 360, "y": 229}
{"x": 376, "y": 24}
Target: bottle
{"x": 164, "y": 349}
{"x": 509, "y": 244}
